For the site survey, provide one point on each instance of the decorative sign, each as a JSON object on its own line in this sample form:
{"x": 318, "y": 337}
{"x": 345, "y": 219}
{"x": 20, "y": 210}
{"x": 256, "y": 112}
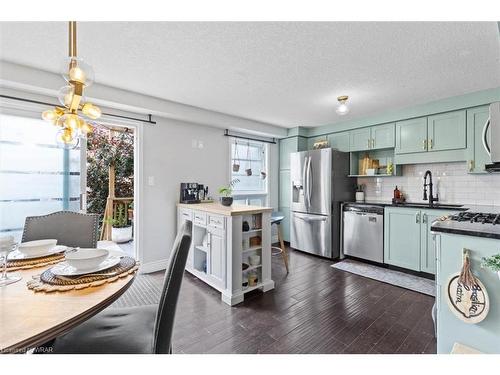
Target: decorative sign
{"x": 320, "y": 144}
{"x": 469, "y": 303}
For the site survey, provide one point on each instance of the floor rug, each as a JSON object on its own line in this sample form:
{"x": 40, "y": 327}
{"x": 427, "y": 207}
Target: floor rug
{"x": 403, "y": 280}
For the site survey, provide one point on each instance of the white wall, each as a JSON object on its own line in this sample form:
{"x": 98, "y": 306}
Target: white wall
{"x": 171, "y": 159}
{"x": 451, "y": 180}
{"x": 167, "y": 153}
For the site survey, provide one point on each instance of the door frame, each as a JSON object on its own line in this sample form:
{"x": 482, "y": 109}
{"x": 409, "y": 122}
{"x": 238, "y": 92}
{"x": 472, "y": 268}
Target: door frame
{"x": 138, "y": 180}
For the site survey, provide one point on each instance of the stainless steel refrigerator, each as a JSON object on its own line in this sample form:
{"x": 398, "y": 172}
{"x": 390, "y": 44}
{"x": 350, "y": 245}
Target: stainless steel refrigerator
{"x": 319, "y": 183}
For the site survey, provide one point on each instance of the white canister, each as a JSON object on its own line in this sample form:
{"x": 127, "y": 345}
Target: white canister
{"x": 360, "y": 196}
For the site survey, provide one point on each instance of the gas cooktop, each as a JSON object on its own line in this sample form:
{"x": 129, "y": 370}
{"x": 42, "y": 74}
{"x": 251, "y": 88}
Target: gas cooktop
{"x": 476, "y": 217}
{"x": 470, "y": 223}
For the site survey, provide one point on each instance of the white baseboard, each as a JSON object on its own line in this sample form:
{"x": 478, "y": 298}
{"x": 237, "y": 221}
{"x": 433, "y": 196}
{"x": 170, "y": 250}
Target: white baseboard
{"x": 155, "y": 266}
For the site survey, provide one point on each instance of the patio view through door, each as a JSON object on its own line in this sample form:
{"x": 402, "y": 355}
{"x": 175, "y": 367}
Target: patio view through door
{"x": 38, "y": 177}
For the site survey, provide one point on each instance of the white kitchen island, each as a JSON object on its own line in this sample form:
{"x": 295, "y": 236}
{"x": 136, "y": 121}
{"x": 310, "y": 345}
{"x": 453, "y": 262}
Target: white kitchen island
{"x": 220, "y": 246}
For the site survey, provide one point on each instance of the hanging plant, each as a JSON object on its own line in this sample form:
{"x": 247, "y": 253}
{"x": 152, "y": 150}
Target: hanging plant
{"x": 249, "y": 169}
{"x": 236, "y": 159}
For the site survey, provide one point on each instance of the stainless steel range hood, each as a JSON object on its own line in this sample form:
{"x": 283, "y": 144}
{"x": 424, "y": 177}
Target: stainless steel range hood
{"x": 492, "y": 145}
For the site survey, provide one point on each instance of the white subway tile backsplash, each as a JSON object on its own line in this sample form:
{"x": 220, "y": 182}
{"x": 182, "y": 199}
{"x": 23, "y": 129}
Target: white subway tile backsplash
{"x": 453, "y": 184}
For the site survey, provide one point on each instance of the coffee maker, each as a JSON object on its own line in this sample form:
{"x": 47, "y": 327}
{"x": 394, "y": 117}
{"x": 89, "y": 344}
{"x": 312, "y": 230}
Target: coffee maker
{"x": 189, "y": 192}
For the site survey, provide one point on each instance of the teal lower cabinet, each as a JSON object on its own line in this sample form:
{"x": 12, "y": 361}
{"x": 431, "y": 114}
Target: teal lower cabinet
{"x": 477, "y": 157}
{"x": 483, "y": 336}
{"x": 427, "y": 250}
{"x": 408, "y": 242}
{"x": 402, "y": 237}
{"x": 285, "y": 224}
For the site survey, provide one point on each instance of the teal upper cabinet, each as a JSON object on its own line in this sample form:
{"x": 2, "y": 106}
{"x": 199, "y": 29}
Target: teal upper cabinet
{"x": 359, "y": 139}
{"x": 477, "y": 155}
{"x": 287, "y": 146}
{"x": 447, "y": 131}
{"x": 382, "y": 136}
{"x": 411, "y": 136}
{"x": 340, "y": 141}
{"x": 371, "y": 138}
{"x": 402, "y": 237}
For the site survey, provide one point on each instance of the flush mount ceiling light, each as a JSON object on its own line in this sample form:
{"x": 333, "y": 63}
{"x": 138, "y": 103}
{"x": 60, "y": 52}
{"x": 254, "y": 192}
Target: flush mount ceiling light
{"x": 342, "y": 108}
{"x": 79, "y": 75}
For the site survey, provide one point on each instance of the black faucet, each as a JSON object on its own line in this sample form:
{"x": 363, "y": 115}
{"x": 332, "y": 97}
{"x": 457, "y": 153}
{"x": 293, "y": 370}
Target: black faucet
{"x": 431, "y": 197}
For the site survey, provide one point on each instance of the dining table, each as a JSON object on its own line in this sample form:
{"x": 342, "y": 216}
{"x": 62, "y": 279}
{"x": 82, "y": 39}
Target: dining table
{"x": 29, "y": 319}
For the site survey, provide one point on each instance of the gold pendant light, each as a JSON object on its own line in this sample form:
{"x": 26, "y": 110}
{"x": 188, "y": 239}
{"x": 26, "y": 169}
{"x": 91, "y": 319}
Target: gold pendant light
{"x": 68, "y": 117}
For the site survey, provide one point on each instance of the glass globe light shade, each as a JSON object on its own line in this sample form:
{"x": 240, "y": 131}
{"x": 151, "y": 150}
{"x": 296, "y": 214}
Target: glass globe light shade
{"x": 76, "y": 70}
{"x": 91, "y": 111}
{"x": 86, "y": 128}
{"x": 67, "y": 139}
{"x": 50, "y": 115}
{"x": 342, "y": 109}
{"x": 65, "y": 95}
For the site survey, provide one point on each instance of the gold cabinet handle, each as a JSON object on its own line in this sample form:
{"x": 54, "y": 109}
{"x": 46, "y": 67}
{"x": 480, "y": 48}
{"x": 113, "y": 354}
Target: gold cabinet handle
{"x": 424, "y": 144}
{"x": 417, "y": 218}
{"x": 430, "y": 143}
{"x": 424, "y": 218}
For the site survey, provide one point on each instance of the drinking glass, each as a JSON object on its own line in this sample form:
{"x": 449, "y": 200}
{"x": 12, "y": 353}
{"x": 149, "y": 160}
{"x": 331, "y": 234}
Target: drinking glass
{"x": 7, "y": 279}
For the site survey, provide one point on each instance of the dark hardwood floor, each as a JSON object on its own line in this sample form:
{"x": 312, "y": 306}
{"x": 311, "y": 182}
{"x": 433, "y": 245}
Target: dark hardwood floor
{"x": 314, "y": 309}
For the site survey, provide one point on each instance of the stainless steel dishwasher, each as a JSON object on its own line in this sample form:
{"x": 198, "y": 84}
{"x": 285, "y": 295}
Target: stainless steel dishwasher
{"x": 363, "y": 231}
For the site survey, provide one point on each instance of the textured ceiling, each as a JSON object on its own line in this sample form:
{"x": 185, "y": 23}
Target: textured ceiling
{"x": 286, "y": 74}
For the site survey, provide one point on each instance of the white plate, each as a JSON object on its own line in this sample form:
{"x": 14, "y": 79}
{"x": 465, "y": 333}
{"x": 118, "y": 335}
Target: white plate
{"x": 64, "y": 269}
{"x": 17, "y": 255}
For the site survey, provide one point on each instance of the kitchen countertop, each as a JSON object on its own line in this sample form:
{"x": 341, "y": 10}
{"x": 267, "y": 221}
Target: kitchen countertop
{"x": 449, "y": 226}
{"x": 219, "y": 209}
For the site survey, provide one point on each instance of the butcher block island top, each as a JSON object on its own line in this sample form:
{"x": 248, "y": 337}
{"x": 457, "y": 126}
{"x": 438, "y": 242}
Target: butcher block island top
{"x": 219, "y": 209}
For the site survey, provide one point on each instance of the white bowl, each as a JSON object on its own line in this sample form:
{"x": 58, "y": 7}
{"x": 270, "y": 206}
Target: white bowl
{"x": 254, "y": 260}
{"x": 38, "y": 247}
{"x": 83, "y": 259}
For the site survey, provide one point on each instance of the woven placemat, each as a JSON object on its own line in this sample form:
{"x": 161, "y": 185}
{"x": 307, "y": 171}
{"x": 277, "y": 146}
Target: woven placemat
{"x": 23, "y": 264}
{"x": 48, "y": 282}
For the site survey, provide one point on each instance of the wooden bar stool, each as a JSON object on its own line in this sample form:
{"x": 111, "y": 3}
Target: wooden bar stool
{"x": 277, "y": 218}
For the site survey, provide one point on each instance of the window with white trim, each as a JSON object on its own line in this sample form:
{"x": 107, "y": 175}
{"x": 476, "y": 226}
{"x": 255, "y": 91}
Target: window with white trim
{"x": 249, "y": 160}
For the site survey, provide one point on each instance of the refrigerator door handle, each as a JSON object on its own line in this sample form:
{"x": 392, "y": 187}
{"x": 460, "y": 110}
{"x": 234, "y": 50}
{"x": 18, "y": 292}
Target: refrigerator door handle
{"x": 309, "y": 219}
{"x": 309, "y": 181}
{"x": 304, "y": 181}
{"x": 485, "y": 138}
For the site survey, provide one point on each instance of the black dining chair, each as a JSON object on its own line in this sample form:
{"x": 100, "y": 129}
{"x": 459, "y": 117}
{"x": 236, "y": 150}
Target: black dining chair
{"x": 71, "y": 229}
{"x": 133, "y": 330}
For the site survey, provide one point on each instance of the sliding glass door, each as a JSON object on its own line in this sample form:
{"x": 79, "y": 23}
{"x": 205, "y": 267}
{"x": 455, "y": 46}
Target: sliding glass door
{"x": 36, "y": 177}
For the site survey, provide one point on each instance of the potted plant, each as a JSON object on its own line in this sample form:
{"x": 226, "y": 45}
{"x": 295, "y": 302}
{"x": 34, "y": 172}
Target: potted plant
{"x": 226, "y": 191}
{"x": 493, "y": 263}
{"x": 121, "y": 230}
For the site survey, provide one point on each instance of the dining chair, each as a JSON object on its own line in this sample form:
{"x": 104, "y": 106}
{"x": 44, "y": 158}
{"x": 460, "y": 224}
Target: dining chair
{"x": 133, "y": 330}
{"x": 71, "y": 229}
